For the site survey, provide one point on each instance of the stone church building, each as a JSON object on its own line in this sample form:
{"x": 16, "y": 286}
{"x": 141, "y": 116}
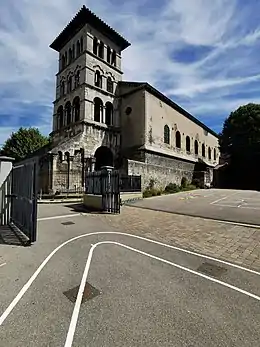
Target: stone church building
{"x": 99, "y": 119}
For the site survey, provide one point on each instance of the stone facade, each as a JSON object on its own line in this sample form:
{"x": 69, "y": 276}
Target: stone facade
{"x": 100, "y": 118}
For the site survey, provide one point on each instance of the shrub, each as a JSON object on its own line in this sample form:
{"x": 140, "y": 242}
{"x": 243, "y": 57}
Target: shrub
{"x": 172, "y": 188}
{"x": 184, "y": 182}
{"x": 197, "y": 183}
{"x": 148, "y": 192}
{"x": 189, "y": 187}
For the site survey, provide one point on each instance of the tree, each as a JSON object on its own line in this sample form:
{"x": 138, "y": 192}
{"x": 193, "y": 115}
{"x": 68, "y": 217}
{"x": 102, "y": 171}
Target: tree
{"x": 240, "y": 139}
{"x": 23, "y": 143}
{"x": 241, "y": 131}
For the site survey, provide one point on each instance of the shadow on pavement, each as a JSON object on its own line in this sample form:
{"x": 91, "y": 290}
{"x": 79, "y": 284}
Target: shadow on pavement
{"x": 9, "y": 237}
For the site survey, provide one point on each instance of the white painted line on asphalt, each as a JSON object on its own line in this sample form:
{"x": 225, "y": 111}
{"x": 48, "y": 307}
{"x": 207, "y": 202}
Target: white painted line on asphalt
{"x": 60, "y": 216}
{"x": 46, "y": 260}
{"x": 238, "y": 206}
{"x": 216, "y": 201}
{"x": 75, "y": 314}
{"x": 2, "y": 264}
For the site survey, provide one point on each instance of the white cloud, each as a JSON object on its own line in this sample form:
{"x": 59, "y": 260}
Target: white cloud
{"x": 28, "y": 66}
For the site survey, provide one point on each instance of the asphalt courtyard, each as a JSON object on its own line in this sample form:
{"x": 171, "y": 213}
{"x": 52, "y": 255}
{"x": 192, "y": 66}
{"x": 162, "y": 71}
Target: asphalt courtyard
{"x": 139, "y": 291}
{"x": 220, "y": 204}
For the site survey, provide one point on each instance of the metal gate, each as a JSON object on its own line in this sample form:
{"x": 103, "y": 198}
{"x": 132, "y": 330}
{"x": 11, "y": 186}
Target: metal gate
{"x": 106, "y": 184}
{"x": 24, "y": 199}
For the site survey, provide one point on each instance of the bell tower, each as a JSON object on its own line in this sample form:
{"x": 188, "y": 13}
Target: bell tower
{"x": 89, "y": 71}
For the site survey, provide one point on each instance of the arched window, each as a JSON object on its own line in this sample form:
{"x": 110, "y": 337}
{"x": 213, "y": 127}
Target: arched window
{"x": 101, "y": 50}
{"x": 63, "y": 63}
{"x": 81, "y": 44}
{"x": 77, "y": 78}
{"x": 209, "y": 153}
{"x": 69, "y": 84}
{"x": 98, "y": 79}
{"x": 73, "y": 52}
{"x": 178, "y": 139}
{"x": 70, "y": 55}
{"x": 62, "y": 88}
{"x": 60, "y": 116}
{"x": 108, "y": 54}
{"x": 68, "y": 112}
{"x": 203, "y": 150}
{"x": 66, "y": 58}
{"x": 215, "y": 154}
{"x": 95, "y": 46}
{"x": 113, "y": 60}
{"x": 78, "y": 48}
{"x": 109, "y": 85}
{"x": 187, "y": 144}
{"x": 109, "y": 113}
{"x": 166, "y": 135}
{"x": 196, "y": 147}
{"x": 76, "y": 108}
{"x": 98, "y": 110}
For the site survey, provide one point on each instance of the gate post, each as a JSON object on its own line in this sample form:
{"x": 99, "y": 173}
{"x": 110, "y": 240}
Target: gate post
{"x": 6, "y": 165}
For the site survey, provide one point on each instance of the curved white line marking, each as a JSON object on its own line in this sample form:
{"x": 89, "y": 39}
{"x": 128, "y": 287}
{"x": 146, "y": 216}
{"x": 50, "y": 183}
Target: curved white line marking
{"x": 75, "y": 314}
{"x": 36, "y": 273}
{"x": 2, "y": 264}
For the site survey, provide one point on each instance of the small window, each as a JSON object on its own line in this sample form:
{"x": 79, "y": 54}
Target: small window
{"x": 108, "y": 54}
{"x": 203, "y": 150}
{"x": 98, "y": 79}
{"x": 187, "y": 144}
{"x": 98, "y": 110}
{"x": 60, "y": 116}
{"x": 78, "y": 48}
{"x": 68, "y": 112}
{"x": 178, "y": 139}
{"x": 215, "y": 154}
{"x": 70, "y": 84}
{"x": 196, "y": 147}
{"x": 70, "y": 55}
{"x": 77, "y": 78}
{"x": 62, "y": 88}
{"x": 73, "y": 52}
{"x": 109, "y": 85}
{"x": 166, "y": 134}
{"x": 81, "y": 45}
{"x": 209, "y": 153}
{"x": 101, "y": 50}
{"x": 113, "y": 60}
{"x": 76, "y": 108}
{"x": 63, "y": 63}
{"x": 95, "y": 46}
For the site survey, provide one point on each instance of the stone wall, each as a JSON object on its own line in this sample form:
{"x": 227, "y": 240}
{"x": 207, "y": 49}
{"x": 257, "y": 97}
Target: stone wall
{"x": 162, "y": 169}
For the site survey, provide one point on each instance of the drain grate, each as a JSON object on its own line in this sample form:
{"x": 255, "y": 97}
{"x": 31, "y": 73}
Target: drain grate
{"x": 68, "y": 223}
{"x": 89, "y": 293}
{"x": 211, "y": 269}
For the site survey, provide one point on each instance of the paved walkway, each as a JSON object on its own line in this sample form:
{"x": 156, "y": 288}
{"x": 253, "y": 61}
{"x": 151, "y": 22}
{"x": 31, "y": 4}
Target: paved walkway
{"x": 238, "y": 244}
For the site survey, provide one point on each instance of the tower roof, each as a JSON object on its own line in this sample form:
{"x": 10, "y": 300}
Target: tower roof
{"x": 83, "y": 17}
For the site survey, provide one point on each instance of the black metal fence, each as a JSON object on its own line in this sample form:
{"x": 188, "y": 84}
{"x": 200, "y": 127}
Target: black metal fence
{"x": 130, "y": 183}
{"x": 106, "y": 184}
{"x": 24, "y": 199}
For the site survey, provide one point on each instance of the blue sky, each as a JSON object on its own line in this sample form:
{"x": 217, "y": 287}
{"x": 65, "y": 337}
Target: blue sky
{"x": 202, "y": 54}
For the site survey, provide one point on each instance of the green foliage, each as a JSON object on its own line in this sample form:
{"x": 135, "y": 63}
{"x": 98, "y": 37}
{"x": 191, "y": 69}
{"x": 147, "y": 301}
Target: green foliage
{"x": 241, "y": 131}
{"x": 172, "y": 188}
{"x": 197, "y": 183}
{"x": 23, "y": 143}
{"x": 151, "y": 190}
{"x": 184, "y": 182}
